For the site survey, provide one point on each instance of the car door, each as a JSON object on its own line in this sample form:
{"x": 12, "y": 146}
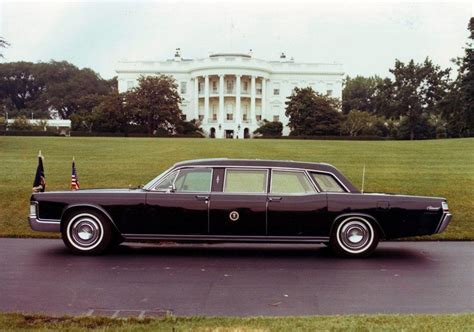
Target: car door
{"x": 295, "y": 207}
{"x": 239, "y": 207}
{"x": 179, "y": 203}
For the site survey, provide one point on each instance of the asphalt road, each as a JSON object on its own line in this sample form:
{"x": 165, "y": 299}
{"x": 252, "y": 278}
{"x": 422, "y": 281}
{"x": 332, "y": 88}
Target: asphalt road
{"x": 239, "y": 280}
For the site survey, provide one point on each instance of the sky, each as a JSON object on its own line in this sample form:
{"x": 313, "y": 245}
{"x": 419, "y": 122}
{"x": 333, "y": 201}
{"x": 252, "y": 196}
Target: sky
{"x": 365, "y": 37}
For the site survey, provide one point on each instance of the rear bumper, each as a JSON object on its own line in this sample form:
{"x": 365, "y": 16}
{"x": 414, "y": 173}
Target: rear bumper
{"x": 445, "y": 219}
{"x": 41, "y": 225}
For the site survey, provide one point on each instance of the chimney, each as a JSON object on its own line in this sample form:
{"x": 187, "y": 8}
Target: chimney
{"x": 177, "y": 55}
{"x": 282, "y": 57}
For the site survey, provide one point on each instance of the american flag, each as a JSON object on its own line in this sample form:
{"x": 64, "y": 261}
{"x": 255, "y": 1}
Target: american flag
{"x": 74, "y": 179}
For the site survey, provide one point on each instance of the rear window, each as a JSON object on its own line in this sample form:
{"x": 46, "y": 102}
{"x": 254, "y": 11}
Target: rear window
{"x": 327, "y": 182}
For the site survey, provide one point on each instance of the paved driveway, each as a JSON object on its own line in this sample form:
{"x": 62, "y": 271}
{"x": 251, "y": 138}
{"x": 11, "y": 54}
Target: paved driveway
{"x": 39, "y": 275}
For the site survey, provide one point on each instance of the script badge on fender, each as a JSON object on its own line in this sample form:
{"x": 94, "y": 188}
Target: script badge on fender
{"x": 234, "y": 216}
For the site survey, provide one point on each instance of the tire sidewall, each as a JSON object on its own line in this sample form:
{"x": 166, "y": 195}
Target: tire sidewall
{"x": 339, "y": 248}
{"x": 105, "y": 235}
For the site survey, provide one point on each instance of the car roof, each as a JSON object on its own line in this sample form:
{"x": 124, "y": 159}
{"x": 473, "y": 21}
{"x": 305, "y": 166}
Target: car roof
{"x": 323, "y": 167}
{"x": 256, "y": 162}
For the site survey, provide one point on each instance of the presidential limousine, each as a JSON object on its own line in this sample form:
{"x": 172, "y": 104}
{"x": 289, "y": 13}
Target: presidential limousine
{"x": 224, "y": 200}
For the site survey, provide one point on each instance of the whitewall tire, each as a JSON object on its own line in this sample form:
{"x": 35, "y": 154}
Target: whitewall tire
{"x": 354, "y": 236}
{"x": 86, "y": 232}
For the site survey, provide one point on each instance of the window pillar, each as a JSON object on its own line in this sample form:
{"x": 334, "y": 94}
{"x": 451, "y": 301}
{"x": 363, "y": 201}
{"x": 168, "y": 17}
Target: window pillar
{"x": 221, "y": 99}
{"x": 238, "y": 117}
{"x": 196, "y": 97}
{"x": 252, "y": 100}
{"x": 264, "y": 96}
{"x": 206, "y": 99}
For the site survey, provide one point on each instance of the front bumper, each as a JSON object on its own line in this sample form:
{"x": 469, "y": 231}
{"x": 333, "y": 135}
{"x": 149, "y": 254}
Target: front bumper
{"x": 445, "y": 219}
{"x": 49, "y": 225}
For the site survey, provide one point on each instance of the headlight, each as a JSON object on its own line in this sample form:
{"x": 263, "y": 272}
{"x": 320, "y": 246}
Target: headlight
{"x": 33, "y": 207}
{"x": 444, "y": 205}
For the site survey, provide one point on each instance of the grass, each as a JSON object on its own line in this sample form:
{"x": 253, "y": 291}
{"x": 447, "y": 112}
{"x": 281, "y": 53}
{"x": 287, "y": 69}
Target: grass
{"x": 445, "y": 322}
{"x": 432, "y": 168}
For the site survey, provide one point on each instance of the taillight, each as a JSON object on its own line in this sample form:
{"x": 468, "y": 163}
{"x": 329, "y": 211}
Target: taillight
{"x": 445, "y": 207}
{"x": 33, "y": 209}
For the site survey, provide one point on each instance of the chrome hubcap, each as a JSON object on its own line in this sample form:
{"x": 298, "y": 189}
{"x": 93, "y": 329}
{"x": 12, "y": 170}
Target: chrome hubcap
{"x": 85, "y": 231}
{"x": 355, "y": 235}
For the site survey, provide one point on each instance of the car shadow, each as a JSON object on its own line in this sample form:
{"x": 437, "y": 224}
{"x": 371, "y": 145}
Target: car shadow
{"x": 261, "y": 252}
{"x": 257, "y": 250}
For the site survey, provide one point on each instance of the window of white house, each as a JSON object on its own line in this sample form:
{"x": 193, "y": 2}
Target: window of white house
{"x": 201, "y": 117}
{"x": 244, "y": 116}
{"x": 276, "y": 92}
{"x": 200, "y": 87}
{"x": 258, "y": 117}
{"x": 183, "y": 87}
{"x": 214, "y": 86}
{"x": 329, "y": 89}
{"x": 230, "y": 86}
{"x": 246, "y": 86}
{"x": 230, "y": 116}
{"x": 276, "y": 118}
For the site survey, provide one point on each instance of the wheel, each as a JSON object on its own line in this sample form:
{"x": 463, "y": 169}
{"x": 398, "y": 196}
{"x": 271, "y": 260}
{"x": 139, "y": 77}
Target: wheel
{"x": 86, "y": 232}
{"x": 354, "y": 237}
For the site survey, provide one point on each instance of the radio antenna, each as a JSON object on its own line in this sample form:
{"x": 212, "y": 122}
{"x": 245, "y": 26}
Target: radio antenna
{"x": 363, "y": 179}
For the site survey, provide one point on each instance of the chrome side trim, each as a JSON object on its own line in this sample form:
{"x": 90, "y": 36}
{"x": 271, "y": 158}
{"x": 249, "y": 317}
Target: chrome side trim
{"x": 44, "y": 225}
{"x": 443, "y": 223}
{"x": 227, "y": 238}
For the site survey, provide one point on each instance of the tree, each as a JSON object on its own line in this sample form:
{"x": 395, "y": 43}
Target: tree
{"x": 466, "y": 84}
{"x": 156, "y": 103}
{"x": 43, "y": 88}
{"x": 417, "y": 89}
{"x": 360, "y": 123}
{"x": 21, "y": 86}
{"x": 423, "y": 128}
{"x": 189, "y": 128}
{"x": 358, "y": 93}
{"x": 21, "y": 123}
{"x": 311, "y": 113}
{"x": 270, "y": 129}
{"x": 68, "y": 85}
{"x": 3, "y": 44}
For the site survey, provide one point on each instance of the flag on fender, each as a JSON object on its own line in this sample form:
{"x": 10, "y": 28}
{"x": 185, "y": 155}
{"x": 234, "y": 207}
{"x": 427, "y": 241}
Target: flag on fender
{"x": 74, "y": 179}
{"x": 39, "y": 185}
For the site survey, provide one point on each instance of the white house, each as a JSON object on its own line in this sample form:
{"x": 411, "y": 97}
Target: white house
{"x": 232, "y": 93}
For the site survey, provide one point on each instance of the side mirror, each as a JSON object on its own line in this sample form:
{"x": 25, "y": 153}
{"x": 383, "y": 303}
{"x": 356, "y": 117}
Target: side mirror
{"x": 171, "y": 189}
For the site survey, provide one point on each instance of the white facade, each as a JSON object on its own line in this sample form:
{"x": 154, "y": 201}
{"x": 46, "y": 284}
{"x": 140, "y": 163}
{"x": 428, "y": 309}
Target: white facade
{"x": 232, "y": 93}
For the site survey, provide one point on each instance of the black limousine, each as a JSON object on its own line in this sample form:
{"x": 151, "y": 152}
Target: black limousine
{"x": 224, "y": 200}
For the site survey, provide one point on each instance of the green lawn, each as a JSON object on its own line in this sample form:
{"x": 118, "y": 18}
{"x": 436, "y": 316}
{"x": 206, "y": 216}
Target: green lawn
{"x": 432, "y": 168}
{"x": 457, "y": 322}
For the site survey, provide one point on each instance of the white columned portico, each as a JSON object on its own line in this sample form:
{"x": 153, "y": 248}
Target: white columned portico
{"x": 252, "y": 100}
{"x": 264, "y": 96}
{"x": 221, "y": 99}
{"x": 238, "y": 117}
{"x": 206, "y": 98}
{"x": 196, "y": 97}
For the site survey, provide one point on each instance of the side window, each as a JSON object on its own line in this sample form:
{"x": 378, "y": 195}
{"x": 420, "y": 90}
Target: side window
{"x": 287, "y": 182}
{"x": 194, "y": 180}
{"x": 327, "y": 183}
{"x": 245, "y": 181}
{"x": 166, "y": 182}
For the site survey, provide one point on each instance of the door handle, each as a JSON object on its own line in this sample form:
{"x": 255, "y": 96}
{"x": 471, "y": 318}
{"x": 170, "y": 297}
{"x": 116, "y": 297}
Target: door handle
{"x": 202, "y": 198}
{"x": 274, "y": 199}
